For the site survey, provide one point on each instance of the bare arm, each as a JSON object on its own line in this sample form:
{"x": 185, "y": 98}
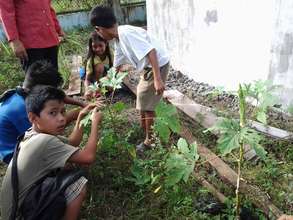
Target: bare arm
{"x": 72, "y": 101}
{"x": 72, "y": 115}
{"x": 87, "y": 155}
{"x": 158, "y": 83}
{"x": 77, "y": 133}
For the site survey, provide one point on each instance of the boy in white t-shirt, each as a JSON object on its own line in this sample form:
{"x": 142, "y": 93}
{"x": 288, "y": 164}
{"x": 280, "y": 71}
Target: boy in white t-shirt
{"x": 134, "y": 46}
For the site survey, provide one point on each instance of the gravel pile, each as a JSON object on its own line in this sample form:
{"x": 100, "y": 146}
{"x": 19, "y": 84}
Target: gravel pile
{"x": 203, "y": 93}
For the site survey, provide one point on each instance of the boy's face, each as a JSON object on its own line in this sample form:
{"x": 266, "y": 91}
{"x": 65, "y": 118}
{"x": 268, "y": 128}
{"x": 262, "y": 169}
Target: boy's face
{"x": 105, "y": 33}
{"x": 52, "y": 118}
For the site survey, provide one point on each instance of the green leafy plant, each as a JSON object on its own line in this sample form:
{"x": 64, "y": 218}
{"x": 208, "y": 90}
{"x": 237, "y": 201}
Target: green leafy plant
{"x": 261, "y": 94}
{"x": 216, "y": 92}
{"x": 234, "y": 134}
{"x": 180, "y": 163}
{"x": 166, "y": 121}
{"x": 113, "y": 80}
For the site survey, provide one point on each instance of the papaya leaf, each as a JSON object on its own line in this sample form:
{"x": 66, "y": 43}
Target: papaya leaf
{"x": 180, "y": 163}
{"x": 228, "y": 142}
{"x": 261, "y": 117}
{"x": 166, "y": 120}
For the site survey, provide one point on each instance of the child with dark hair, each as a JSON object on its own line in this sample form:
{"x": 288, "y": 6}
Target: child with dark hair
{"x": 133, "y": 45}
{"x": 13, "y": 117}
{"x": 99, "y": 59}
{"x": 42, "y": 150}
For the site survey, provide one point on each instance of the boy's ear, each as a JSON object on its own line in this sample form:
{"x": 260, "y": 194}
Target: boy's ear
{"x": 32, "y": 117}
{"x": 97, "y": 28}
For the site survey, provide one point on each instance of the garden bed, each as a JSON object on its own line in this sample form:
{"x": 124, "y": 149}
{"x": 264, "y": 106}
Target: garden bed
{"x": 114, "y": 194}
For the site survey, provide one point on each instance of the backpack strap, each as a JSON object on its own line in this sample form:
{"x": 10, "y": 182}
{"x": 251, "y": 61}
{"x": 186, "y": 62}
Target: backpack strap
{"x": 14, "y": 180}
{"x": 8, "y": 93}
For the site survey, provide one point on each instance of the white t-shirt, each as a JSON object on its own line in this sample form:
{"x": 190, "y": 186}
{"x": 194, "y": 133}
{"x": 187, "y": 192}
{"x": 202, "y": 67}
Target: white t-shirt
{"x": 133, "y": 45}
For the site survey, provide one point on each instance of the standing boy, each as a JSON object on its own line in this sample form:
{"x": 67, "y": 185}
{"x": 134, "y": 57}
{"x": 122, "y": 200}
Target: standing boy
{"x": 42, "y": 150}
{"x": 133, "y": 45}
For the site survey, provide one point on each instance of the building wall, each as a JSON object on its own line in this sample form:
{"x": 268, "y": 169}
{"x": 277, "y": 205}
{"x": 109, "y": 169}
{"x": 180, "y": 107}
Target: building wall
{"x": 281, "y": 68}
{"x": 224, "y": 42}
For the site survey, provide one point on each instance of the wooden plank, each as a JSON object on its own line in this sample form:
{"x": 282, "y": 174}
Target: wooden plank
{"x": 205, "y": 116}
{"x": 74, "y": 79}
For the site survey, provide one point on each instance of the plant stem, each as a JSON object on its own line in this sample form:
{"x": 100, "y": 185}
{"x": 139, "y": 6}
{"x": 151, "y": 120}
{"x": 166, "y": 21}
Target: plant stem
{"x": 238, "y": 200}
{"x": 242, "y": 108}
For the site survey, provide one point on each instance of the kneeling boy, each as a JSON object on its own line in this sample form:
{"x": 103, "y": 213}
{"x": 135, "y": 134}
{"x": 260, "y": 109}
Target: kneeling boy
{"x": 43, "y": 150}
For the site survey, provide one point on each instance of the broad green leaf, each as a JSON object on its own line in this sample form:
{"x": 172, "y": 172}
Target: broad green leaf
{"x": 188, "y": 170}
{"x": 261, "y": 117}
{"x": 166, "y": 120}
{"x": 183, "y": 146}
{"x": 228, "y": 142}
{"x": 163, "y": 130}
{"x": 253, "y": 139}
{"x": 174, "y": 177}
{"x": 260, "y": 151}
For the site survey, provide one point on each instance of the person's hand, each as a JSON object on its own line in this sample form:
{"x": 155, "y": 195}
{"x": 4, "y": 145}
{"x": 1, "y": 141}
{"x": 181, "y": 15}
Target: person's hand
{"x": 18, "y": 49}
{"x": 86, "y": 110}
{"x": 96, "y": 116}
{"x": 286, "y": 217}
{"x": 61, "y": 36}
{"x": 89, "y": 94}
{"x": 98, "y": 104}
{"x": 159, "y": 86}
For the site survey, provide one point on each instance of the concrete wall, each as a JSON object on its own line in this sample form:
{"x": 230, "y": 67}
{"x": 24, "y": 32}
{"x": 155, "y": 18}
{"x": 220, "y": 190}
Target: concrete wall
{"x": 219, "y": 42}
{"x": 281, "y": 68}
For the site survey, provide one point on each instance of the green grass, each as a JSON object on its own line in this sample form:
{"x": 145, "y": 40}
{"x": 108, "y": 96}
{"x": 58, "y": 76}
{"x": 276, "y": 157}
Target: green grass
{"x": 11, "y": 74}
{"x": 63, "y": 6}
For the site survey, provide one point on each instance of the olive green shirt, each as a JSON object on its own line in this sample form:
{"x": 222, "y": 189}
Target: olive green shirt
{"x": 39, "y": 154}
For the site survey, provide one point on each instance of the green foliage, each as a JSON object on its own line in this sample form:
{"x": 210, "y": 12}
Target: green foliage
{"x": 215, "y": 92}
{"x": 166, "y": 121}
{"x": 180, "y": 163}
{"x": 113, "y": 79}
{"x": 261, "y": 92}
{"x": 11, "y": 74}
{"x": 232, "y": 133}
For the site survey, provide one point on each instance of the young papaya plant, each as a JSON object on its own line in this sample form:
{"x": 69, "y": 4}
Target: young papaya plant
{"x": 234, "y": 134}
{"x": 112, "y": 81}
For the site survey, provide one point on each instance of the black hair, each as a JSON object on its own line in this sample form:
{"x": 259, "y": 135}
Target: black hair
{"x": 102, "y": 16}
{"x": 94, "y": 37}
{"x": 42, "y": 73}
{"x": 39, "y": 95}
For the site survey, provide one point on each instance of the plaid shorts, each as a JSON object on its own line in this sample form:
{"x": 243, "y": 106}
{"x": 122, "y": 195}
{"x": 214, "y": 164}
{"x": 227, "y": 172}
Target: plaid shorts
{"x": 74, "y": 189}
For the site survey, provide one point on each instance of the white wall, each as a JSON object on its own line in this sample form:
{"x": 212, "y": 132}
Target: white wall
{"x": 221, "y": 42}
{"x": 281, "y": 71}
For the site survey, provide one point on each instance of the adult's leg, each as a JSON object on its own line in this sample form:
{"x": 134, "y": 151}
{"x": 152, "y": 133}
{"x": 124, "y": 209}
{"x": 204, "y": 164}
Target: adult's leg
{"x": 34, "y": 55}
{"x": 73, "y": 208}
{"x": 52, "y": 55}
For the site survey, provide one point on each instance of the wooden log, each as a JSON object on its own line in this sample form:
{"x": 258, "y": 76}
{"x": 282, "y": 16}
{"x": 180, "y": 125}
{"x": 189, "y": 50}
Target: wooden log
{"x": 74, "y": 79}
{"x": 211, "y": 188}
{"x": 205, "y": 116}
